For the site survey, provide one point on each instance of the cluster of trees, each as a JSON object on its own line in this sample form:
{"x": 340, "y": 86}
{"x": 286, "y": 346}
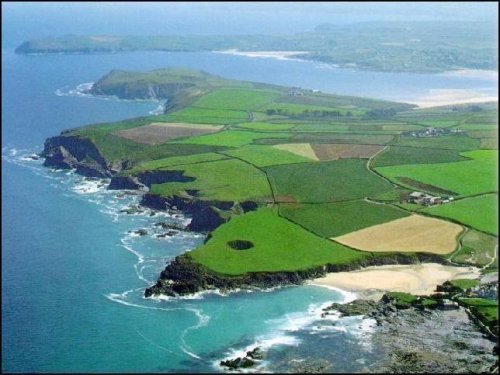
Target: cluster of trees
{"x": 380, "y": 113}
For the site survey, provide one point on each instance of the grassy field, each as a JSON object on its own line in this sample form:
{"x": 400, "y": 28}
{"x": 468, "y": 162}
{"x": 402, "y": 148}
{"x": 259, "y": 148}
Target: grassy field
{"x": 446, "y": 142}
{"x": 412, "y": 234}
{"x": 279, "y": 245}
{"x": 165, "y": 163}
{"x": 331, "y": 181}
{"x": 264, "y": 126}
{"x": 232, "y": 138}
{"x": 206, "y": 116}
{"x": 335, "y": 219}
{"x": 478, "y": 249}
{"x": 363, "y": 139}
{"x": 224, "y": 180}
{"x": 465, "y": 177}
{"x": 237, "y": 99}
{"x": 263, "y": 156}
{"x": 479, "y": 212}
{"x": 396, "y": 155}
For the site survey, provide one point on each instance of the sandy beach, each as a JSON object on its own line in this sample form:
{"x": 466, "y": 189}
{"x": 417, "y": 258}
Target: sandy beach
{"x": 442, "y": 97}
{"x": 280, "y": 55}
{"x": 418, "y": 279}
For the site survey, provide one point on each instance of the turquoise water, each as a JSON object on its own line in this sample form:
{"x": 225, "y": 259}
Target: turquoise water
{"x": 73, "y": 275}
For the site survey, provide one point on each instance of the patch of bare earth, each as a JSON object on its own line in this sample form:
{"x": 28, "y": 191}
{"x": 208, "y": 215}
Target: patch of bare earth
{"x": 336, "y": 151}
{"x": 414, "y": 233}
{"x": 156, "y": 133}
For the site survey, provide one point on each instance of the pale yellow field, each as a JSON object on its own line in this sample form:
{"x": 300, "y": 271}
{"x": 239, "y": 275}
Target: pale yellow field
{"x": 414, "y": 233}
{"x": 302, "y": 149}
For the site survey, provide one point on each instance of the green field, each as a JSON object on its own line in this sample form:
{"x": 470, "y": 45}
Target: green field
{"x": 395, "y": 155}
{"x": 206, "y": 116}
{"x": 446, "y": 142}
{"x": 335, "y": 219}
{"x": 237, "y": 99}
{"x": 265, "y": 126}
{"x": 176, "y": 160}
{"x": 263, "y": 156}
{"x": 279, "y": 245}
{"x": 465, "y": 177}
{"x": 322, "y": 182}
{"x": 231, "y": 138}
{"x": 223, "y": 180}
{"x": 479, "y": 212}
{"x": 362, "y": 139}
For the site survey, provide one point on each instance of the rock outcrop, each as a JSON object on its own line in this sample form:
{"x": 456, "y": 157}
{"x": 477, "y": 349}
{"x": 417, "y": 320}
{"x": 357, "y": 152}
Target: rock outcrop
{"x": 73, "y": 152}
{"x": 184, "y": 276}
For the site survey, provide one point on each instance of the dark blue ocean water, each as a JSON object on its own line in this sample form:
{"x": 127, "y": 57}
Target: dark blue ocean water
{"x": 73, "y": 275}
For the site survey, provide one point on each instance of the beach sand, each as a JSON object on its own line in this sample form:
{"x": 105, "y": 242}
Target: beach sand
{"x": 442, "y": 97}
{"x": 418, "y": 279}
{"x": 280, "y": 55}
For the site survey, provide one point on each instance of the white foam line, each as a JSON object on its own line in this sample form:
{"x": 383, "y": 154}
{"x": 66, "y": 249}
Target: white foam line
{"x": 155, "y": 344}
{"x": 202, "y": 322}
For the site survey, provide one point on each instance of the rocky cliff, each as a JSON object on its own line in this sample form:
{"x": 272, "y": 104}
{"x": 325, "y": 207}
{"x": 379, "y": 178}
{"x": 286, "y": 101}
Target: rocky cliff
{"x": 184, "y": 276}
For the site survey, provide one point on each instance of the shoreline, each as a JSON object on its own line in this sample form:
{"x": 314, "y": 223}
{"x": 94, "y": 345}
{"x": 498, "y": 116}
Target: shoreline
{"x": 372, "y": 282}
{"x": 446, "y": 97}
{"x": 279, "y": 55}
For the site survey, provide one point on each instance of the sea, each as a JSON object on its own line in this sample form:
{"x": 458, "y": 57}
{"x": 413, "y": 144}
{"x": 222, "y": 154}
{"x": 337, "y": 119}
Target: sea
{"x": 74, "y": 269}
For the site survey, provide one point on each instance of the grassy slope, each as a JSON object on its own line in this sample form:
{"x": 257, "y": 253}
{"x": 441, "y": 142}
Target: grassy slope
{"x": 262, "y": 156}
{"x": 465, "y": 177}
{"x": 225, "y": 180}
{"x": 279, "y": 245}
{"x": 478, "y": 249}
{"x": 237, "y": 99}
{"x": 231, "y": 138}
{"x": 396, "y": 155}
{"x": 479, "y": 212}
{"x": 318, "y": 182}
{"x": 335, "y": 219}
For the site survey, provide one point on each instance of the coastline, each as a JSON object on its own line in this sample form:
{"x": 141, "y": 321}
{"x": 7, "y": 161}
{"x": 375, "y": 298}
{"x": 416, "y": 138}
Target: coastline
{"x": 444, "y": 97}
{"x": 279, "y": 55}
{"x": 372, "y": 282}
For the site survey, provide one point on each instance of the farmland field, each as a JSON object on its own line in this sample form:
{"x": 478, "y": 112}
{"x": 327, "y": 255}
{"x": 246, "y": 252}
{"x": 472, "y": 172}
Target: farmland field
{"x": 322, "y": 182}
{"x": 335, "y": 219}
{"x": 446, "y": 142}
{"x": 475, "y": 176}
{"x": 236, "y": 99}
{"x": 302, "y": 149}
{"x": 396, "y": 155}
{"x": 336, "y": 151}
{"x": 157, "y": 133}
{"x": 176, "y": 160}
{"x": 264, "y": 126}
{"x": 232, "y": 138}
{"x": 477, "y": 212}
{"x": 206, "y": 116}
{"x": 278, "y": 245}
{"x": 413, "y": 233}
{"x": 225, "y": 180}
{"x": 262, "y": 156}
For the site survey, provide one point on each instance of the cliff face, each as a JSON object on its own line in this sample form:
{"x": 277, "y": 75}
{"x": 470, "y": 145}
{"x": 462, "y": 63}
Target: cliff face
{"x": 68, "y": 152}
{"x": 183, "y": 276}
